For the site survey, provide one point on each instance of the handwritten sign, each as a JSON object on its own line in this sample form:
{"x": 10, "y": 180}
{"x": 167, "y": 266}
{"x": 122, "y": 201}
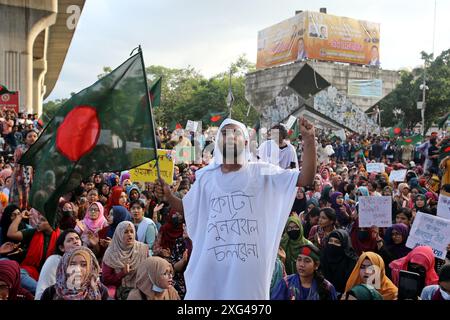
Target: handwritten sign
{"x": 149, "y": 173}
{"x": 443, "y": 208}
{"x": 192, "y": 126}
{"x": 375, "y": 167}
{"x": 375, "y": 211}
{"x": 397, "y": 175}
{"x": 428, "y": 230}
{"x": 290, "y": 122}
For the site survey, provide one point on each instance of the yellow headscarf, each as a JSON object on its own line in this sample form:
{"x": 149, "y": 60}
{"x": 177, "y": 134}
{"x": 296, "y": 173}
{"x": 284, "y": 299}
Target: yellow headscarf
{"x": 387, "y": 289}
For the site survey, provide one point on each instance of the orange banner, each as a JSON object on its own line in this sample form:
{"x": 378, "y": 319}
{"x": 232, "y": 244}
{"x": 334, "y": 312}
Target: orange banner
{"x": 311, "y": 35}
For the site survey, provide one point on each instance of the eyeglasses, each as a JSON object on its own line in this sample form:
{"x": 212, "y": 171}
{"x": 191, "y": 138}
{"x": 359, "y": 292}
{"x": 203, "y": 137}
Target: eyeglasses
{"x": 167, "y": 274}
{"x": 292, "y": 228}
{"x": 93, "y": 209}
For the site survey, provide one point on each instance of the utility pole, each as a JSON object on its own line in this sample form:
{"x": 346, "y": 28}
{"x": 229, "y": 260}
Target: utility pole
{"x": 424, "y": 89}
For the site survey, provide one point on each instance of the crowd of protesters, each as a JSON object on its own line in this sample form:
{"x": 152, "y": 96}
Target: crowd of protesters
{"x": 117, "y": 239}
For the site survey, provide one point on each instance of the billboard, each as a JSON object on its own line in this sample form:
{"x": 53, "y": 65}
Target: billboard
{"x": 320, "y": 36}
{"x": 365, "y": 88}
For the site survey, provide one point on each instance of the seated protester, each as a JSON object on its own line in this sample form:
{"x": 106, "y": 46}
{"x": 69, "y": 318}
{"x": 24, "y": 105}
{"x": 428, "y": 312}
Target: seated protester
{"x": 300, "y": 202}
{"x": 369, "y": 269}
{"x": 394, "y": 245}
{"x": 93, "y": 222}
{"x": 168, "y": 234}
{"x": 98, "y": 181}
{"x": 118, "y": 198}
{"x": 363, "y": 239}
{"x": 404, "y": 198}
{"x": 440, "y": 291}
{"x": 327, "y": 223}
{"x": 121, "y": 260}
{"x": 145, "y": 228}
{"x": 69, "y": 215}
{"x": 93, "y": 196}
{"x": 116, "y": 216}
{"x": 362, "y": 292}
{"x": 154, "y": 281}
{"x": 104, "y": 194}
{"x": 77, "y": 278}
{"x": 419, "y": 260}
{"x": 387, "y": 192}
{"x": 279, "y": 271}
{"x": 133, "y": 193}
{"x": 404, "y": 215}
{"x": 338, "y": 259}
{"x": 311, "y": 219}
{"x": 67, "y": 240}
{"x": 420, "y": 204}
{"x": 10, "y": 288}
{"x": 40, "y": 243}
{"x": 8, "y": 216}
{"x": 307, "y": 283}
{"x": 342, "y": 210}
{"x": 325, "y": 197}
{"x": 291, "y": 241}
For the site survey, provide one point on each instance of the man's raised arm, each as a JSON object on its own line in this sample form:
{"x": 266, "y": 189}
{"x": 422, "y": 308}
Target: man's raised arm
{"x": 309, "y": 166}
{"x": 163, "y": 192}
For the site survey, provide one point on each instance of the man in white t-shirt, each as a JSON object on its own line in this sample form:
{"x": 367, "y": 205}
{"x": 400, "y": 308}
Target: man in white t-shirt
{"x": 278, "y": 150}
{"x": 235, "y": 214}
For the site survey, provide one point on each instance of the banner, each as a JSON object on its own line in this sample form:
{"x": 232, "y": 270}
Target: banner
{"x": 10, "y": 101}
{"x": 375, "y": 211}
{"x": 365, "y": 88}
{"x": 397, "y": 175}
{"x": 428, "y": 230}
{"x": 375, "y": 167}
{"x": 443, "y": 208}
{"x": 148, "y": 172}
{"x": 313, "y": 35}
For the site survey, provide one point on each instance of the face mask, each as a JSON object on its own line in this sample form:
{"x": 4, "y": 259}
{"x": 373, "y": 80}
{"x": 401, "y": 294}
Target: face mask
{"x": 334, "y": 251}
{"x": 293, "y": 234}
{"x": 68, "y": 213}
{"x": 444, "y": 295}
{"x": 157, "y": 289}
{"x": 363, "y": 235}
{"x": 175, "y": 220}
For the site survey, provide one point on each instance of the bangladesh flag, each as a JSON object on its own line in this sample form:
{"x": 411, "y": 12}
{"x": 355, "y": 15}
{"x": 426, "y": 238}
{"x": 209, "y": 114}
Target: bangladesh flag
{"x": 396, "y": 130}
{"x": 103, "y": 128}
{"x": 155, "y": 93}
{"x": 410, "y": 140}
{"x": 445, "y": 149}
{"x": 4, "y": 90}
{"x": 294, "y": 132}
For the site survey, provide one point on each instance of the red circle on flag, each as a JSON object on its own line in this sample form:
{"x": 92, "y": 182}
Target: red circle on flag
{"x": 408, "y": 140}
{"x": 397, "y": 130}
{"x": 78, "y": 133}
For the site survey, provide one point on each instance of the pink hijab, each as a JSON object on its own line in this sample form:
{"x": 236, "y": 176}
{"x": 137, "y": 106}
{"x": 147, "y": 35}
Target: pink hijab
{"x": 99, "y": 223}
{"x": 422, "y": 255}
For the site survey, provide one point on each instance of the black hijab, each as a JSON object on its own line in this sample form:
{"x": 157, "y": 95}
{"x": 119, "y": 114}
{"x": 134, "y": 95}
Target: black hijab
{"x": 299, "y": 204}
{"x": 337, "y": 263}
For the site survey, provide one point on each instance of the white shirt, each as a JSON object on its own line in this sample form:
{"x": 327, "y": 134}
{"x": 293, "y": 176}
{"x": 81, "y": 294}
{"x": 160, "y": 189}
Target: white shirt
{"x": 270, "y": 152}
{"x": 47, "y": 277}
{"x": 235, "y": 221}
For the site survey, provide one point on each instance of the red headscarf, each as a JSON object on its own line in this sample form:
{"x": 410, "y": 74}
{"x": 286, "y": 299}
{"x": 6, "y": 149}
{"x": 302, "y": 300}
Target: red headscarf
{"x": 422, "y": 255}
{"x": 10, "y": 274}
{"x": 170, "y": 233}
{"x": 113, "y": 199}
{"x": 361, "y": 246}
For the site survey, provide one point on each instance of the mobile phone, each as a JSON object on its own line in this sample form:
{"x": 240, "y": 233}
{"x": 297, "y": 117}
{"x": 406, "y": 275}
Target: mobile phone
{"x": 409, "y": 285}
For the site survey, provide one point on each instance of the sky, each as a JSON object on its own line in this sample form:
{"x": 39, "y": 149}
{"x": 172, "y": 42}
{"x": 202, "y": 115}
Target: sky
{"x": 210, "y": 34}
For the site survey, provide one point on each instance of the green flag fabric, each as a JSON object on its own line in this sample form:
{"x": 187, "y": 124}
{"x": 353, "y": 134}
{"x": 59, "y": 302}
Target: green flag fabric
{"x": 155, "y": 93}
{"x": 4, "y": 90}
{"x": 107, "y": 127}
{"x": 442, "y": 121}
{"x": 396, "y": 130}
{"x": 410, "y": 140}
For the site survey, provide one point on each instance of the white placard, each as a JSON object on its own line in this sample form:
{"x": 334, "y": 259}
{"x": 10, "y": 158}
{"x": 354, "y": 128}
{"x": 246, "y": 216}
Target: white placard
{"x": 191, "y": 126}
{"x": 290, "y": 122}
{"x": 341, "y": 134}
{"x": 375, "y": 167}
{"x": 375, "y": 211}
{"x": 397, "y": 175}
{"x": 428, "y": 230}
{"x": 443, "y": 208}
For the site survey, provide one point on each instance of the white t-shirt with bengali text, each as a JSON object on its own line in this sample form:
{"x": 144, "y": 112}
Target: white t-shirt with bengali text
{"x": 235, "y": 221}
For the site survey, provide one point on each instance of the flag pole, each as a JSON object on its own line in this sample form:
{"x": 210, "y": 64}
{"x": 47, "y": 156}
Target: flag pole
{"x": 147, "y": 93}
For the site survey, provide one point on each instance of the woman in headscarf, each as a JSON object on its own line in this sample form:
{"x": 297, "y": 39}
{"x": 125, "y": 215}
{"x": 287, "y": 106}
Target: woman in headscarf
{"x": 316, "y": 192}
{"x": 394, "y": 245}
{"x": 118, "y": 198}
{"x": 343, "y": 211}
{"x": 420, "y": 204}
{"x": 10, "y": 288}
{"x": 363, "y": 292}
{"x": 122, "y": 258}
{"x": 325, "y": 175}
{"x": 370, "y": 269}
{"x": 310, "y": 219}
{"x": 320, "y": 232}
{"x": 338, "y": 259}
{"x": 404, "y": 198}
{"x": 154, "y": 281}
{"x": 93, "y": 222}
{"x": 363, "y": 239}
{"x": 69, "y": 215}
{"x": 168, "y": 234}
{"x": 326, "y": 194}
{"x": 104, "y": 193}
{"x": 98, "y": 181}
{"x": 300, "y": 202}
{"x": 307, "y": 283}
{"x": 362, "y": 192}
{"x": 419, "y": 260}
{"x": 9, "y": 214}
{"x": 77, "y": 278}
{"x": 291, "y": 242}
